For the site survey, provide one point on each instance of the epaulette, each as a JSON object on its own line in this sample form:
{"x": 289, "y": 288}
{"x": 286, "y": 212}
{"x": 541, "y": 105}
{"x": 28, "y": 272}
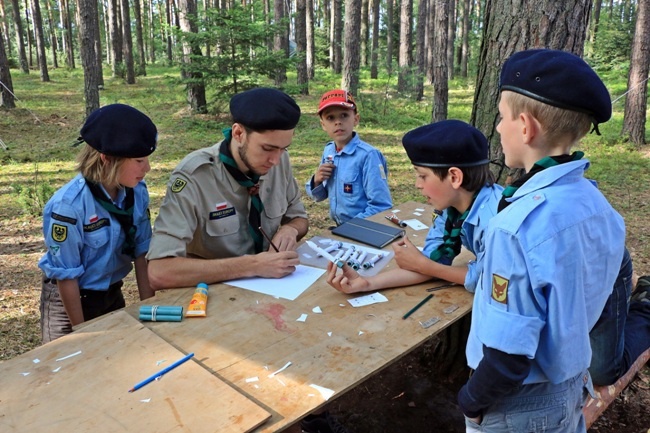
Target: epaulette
{"x": 520, "y": 210}
{"x": 196, "y": 159}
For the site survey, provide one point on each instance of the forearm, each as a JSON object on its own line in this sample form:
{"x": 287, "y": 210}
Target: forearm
{"x": 300, "y": 224}
{"x": 142, "y": 278}
{"x": 453, "y": 274}
{"x": 395, "y": 278}
{"x": 70, "y": 296}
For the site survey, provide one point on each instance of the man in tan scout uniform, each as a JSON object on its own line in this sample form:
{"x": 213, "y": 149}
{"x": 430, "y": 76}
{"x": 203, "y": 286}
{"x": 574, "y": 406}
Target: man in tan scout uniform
{"x": 208, "y": 228}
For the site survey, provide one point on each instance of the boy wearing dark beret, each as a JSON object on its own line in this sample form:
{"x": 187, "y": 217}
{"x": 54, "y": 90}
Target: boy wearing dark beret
{"x": 352, "y": 174}
{"x": 97, "y": 227}
{"x": 223, "y": 199}
{"x": 550, "y": 251}
{"x": 451, "y": 161}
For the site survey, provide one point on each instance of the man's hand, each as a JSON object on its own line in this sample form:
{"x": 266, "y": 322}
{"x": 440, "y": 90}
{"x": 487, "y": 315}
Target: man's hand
{"x": 348, "y": 281}
{"x": 276, "y": 265}
{"x": 323, "y": 173}
{"x": 286, "y": 238}
{"x": 407, "y": 255}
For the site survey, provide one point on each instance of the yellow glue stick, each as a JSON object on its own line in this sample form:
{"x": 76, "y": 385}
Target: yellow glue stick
{"x": 199, "y": 302}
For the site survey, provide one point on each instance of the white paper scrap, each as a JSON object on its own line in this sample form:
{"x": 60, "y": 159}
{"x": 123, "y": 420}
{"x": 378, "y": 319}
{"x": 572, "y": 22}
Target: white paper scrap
{"x": 329, "y": 334}
{"x": 69, "y": 356}
{"x": 362, "y": 301}
{"x": 36, "y": 361}
{"x": 252, "y": 379}
{"x": 324, "y": 392}
{"x": 419, "y": 209}
{"x": 146, "y": 400}
{"x": 416, "y": 224}
{"x": 280, "y": 370}
{"x": 360, "y": 332}
{"x": 317, "y": 310}
{"x": 56, "y": 370}
{"x": 302, "y": 318}
{"x": 395, "y": 211}
{"x": 25, "y": 374}
{"x": 417, "y": 214}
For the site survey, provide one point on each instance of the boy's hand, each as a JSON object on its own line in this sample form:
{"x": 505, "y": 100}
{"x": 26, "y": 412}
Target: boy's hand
{"x": 407, "y": 255}
{"x": 276, "y": 265}
{"x": 349, "y": 281}
{"x": 324, "y": 172}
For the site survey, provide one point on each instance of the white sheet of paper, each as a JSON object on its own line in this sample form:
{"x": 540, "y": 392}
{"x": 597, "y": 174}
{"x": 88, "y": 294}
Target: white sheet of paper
{"x": 362, "y": 301}
{"x": 289, "y": 287}
{"x": 416, "y": 224}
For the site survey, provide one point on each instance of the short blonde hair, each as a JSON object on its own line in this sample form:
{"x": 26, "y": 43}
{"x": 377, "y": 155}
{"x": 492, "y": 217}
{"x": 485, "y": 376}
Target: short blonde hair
{"x": 558, "y": 123}
{"x": 91, "y": 166}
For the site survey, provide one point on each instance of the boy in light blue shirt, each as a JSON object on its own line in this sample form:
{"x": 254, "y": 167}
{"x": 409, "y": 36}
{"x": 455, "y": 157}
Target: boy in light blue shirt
{"x": 352, "y": 173}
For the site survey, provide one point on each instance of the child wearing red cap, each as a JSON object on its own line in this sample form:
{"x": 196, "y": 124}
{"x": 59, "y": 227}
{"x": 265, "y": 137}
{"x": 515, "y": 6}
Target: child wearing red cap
{"x": 352, "y": 173}
{"x": 97, "y": 227}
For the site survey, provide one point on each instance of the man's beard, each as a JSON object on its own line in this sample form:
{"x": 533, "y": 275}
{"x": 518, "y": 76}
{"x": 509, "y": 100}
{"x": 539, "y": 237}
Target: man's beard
{"x": 243, "y": 155}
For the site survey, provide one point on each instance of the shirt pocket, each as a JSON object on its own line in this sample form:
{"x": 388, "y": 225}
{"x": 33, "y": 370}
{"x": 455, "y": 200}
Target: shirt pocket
{"x": 219, "y": 225}
{"x": 276, "y": 208}
{"x": 96, "y": 247}
{"x": 352, "y": 185}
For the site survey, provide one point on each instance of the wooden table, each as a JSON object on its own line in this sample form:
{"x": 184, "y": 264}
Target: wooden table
{"x": 247, "y": 336}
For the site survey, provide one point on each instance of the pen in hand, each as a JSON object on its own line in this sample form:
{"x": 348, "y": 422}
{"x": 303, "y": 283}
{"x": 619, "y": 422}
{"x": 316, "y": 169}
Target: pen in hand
{"x": 269, "y": 239}
{"x": 161, "y": 372}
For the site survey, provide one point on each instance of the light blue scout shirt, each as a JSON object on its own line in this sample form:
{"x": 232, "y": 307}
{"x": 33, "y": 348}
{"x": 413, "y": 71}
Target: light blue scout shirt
{"x": 472, "y": 233}
{"x": 548, "y": 257}
{"x": 84, "y": 241}
{"x": 358, "y": 187}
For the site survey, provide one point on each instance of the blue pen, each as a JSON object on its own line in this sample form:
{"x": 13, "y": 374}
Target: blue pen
{"x": 161, "y": 372}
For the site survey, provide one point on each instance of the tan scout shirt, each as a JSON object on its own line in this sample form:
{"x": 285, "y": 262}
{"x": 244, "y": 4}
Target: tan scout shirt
{"x": 205, "y": 211}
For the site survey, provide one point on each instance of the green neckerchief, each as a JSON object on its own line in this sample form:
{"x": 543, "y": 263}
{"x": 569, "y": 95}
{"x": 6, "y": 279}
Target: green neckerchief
{"x": 544, "y": 163}
{"x": 451, "y": 241}
{"x": 253, "y": 186}
{"x": 123, "y": 216}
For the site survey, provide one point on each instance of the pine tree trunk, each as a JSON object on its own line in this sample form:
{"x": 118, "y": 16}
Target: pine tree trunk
{"x": 6, "y": 88}
{"x": 374, "y": 57}
{"x": 365, "y": 32}
{"x": 336, "y": 33}
{"x": 634, "y": 119}
{"x": 127, "y": 43}
{"x": 405, "y": 43}
{"x": 18, "y": 25}
{"x": 351, "y": 54}
{"x": 420, "y": 48}
{"x": 511, "y": 26}
{"x": 311, "y": 46}
{"x": 195, "y": 87}
{"x": 87, "y": 10}
{"x": 67, "y": 33}
{"x": 464, "y": 49}
{"x": 40, "y": 40}
{"x": 5, "y": 26}
{"x": 115, "y": 36}
{"x": 451, "y": 38}
{"x": 301, "y": 46}
{"x": 390, "y": 36}
{"x": 141, "y": 69}
{"x": 54, "y": 42}
{"x": 280, "y": 41}
{"x": 440, "y": 69}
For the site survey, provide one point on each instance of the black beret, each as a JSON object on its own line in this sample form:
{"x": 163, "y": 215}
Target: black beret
{"x": 448, "y": 143}
{"x": 265, "y": 109}
{"x": 120, "y": 130}
{"x": 557, "y": 78}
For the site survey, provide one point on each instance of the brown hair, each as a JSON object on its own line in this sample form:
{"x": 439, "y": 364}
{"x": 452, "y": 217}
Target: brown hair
{"x": 556, "y": 122}
{"x": 91, "y": 166}
{"x": 474, "y": 178}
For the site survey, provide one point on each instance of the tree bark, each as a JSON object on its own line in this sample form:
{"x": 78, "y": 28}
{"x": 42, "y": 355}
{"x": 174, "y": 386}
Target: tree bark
{"x": 195, "y": 86}
{"x": 405, "y": 43}
{"x": 351, "y": 54}
{"x": 168, "y": 31}
{"x": 141, "y": 69}
{"x": 28, "y": 33}
{"x": 5, "y": 27}
{"x": 336, "y": 32}
{"x": 40, "y": 40}
{"x": 634, "y": 119}
{"x": 429, "y": 41}
{"x": 390, "y": 36}
{"x": 115, "y": 36}
{"x": 464, "y": 44}
{"x": 311, "y": 46}
{"x": 127, "y": 43}
{"x": 6, "y": 86}
{"x": 67, "y": 33}
{"x": 301, "y": 46}
{"x": 151, "y": 34}
{"x": 451, "y": 37}
{"x": 87, "y": 10}
{"x": 280, "y": 41}
{"x": 20, "y": 41}
{"x": 420, "y": 48}
{"x": 440, "y": 68}
{"x": 54, "y": 41}
{"x": 365, "y": 32}
{"x": 374, "y": 56}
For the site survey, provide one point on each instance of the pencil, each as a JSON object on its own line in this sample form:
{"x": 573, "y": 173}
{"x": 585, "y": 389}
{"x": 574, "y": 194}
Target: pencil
{"x": 161, "y": 372}
{"x": 414, "y": 309}
{"x": 269, "y": 239}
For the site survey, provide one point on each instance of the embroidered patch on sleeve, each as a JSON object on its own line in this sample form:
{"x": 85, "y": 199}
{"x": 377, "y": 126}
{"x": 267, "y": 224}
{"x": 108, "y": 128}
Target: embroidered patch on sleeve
{"x": 62, "y": 218}
{"x": 500, "y": 289}
{"x": 178, "y": 185}
{"x": 59, "y": 232}
{"x": 382, "y": 172}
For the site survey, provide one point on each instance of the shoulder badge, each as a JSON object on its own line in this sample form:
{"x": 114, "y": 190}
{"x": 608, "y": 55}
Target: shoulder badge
{"x": 178, "y": 185}
{"x": 59, "y": 232}
{"x": 500, "y": 289}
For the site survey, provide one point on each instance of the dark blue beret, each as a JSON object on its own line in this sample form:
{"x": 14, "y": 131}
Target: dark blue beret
{"x": 557, "y": 78}
{"x": 265, "y": 109}
{"x": 448, "y": 143}
{"x": 120, "y": 130}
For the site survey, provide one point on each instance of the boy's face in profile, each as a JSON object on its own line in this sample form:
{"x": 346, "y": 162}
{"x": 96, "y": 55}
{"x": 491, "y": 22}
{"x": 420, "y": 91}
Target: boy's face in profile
{"x": 339, "y": 123}
{"x": 439, "y": 193}
{"x": 510, "y": 131}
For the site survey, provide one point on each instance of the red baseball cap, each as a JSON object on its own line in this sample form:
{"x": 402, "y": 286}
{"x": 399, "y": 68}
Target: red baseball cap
{"x": 339, "y": 98}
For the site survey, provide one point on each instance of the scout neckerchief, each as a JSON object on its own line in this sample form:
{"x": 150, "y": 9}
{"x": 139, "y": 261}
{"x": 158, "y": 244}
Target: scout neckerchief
{"x": 546, "y": 162}
{"x": 123, "y": 216}
{"x": 251, "y": 183}
{"x": 451, "y": 241}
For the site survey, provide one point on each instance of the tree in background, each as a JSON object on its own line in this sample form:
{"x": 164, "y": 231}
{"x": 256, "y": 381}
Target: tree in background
{"x": 115, "y": 37}
{"x": 40, "y": 40}
{"x": 336, "y": 30}
{"x": 191, "y": 51}
{"x": 87, "y": 11}
{"x": 280, "y": 41}
{"x": 53, "y": 40}
{"x": 301, "y": 46}
{"x": 127, "y": 43}
{"x": 404, "y": 59}
{"x": 634, "y": 119}
{"x": 510, "y": 27}
{"x": 440, "y": 69}
{"x": 6, "y": 87}
{"x": 20, "y": 42}
{"x": 351, "y": 54}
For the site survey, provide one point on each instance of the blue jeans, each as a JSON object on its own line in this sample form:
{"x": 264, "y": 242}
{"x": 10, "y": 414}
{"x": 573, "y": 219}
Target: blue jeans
{"x": 539, "y": 408}
{"x": 608, "y": 342}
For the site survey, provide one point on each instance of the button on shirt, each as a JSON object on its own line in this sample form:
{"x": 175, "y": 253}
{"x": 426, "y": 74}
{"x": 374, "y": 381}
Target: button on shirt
{"x": 358, "y": 187}
{"x": 551, "y": 258}
{"x": 84, "y": 241}
{"x": 205, "y": 211}
{"x": 472, "y": 233}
